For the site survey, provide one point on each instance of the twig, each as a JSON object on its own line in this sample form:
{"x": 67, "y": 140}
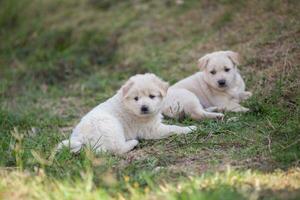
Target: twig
{"x": 285, "y": 60}
{"x": 231, "y": 132}
{"x": 291, "y": 144}
{"x": 207, "y": 137}
{"x": 269, "y": 144}
{"x": 270, "y": 124}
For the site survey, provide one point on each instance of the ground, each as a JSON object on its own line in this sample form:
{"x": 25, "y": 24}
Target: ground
{"x": 59, "y": 59}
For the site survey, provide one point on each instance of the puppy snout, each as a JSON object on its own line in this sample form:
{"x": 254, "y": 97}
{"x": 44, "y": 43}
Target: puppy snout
{"x": 144, "y": 109}
{"x": 222, "y": 82}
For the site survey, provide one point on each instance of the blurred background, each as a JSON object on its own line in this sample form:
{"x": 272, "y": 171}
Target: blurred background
{"x": 63, "y": 43}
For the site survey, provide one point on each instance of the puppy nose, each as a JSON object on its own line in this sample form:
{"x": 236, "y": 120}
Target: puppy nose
{"x": 144, "y": 109}
{"x": 222, "y": 82}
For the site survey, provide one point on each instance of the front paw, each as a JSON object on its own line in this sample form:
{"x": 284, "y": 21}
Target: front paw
{"x": 245, "y": 95}
{"x": 241, "y": 109}
{"x": 190, "y": 129}
{"x": 245, "y": 109}
{"x": 219, "y": 116}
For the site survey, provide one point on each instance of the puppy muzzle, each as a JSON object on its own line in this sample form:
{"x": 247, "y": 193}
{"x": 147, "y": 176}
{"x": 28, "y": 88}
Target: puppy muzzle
{"x": 144, "y": 109}
{"x": 222, "y": 83}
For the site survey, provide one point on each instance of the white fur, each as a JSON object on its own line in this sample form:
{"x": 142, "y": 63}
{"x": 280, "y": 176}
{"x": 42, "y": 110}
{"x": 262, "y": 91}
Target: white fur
{"x": 116, "y": 124}
{"x": 200, "y": 94}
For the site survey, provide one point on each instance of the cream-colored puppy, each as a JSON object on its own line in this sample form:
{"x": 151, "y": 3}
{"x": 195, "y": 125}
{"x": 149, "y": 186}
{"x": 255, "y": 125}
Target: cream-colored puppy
{"x": 133, "y": 113}
{"x": 218, "y": 86}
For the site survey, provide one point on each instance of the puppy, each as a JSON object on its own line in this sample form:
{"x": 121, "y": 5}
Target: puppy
{"x": 217, "y": 87}
{"x": 133, "y": 113}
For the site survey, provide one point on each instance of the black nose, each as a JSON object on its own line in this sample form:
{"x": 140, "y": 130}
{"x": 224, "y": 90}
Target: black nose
{"x": 222, "y": 82}
{"x": 144, "y": 109}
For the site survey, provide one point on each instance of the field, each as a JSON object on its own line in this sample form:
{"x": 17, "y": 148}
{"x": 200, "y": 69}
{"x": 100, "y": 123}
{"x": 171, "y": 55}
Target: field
{"x": 60, "y": 58}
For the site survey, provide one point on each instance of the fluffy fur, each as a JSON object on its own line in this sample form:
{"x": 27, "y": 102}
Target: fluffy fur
{"x": 217, "y": 87}
{"x": 133, "y": 113}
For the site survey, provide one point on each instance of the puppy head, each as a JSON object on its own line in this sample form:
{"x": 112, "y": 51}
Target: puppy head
{"x": 220, "y": 68}
{"x": 143, "y": 94}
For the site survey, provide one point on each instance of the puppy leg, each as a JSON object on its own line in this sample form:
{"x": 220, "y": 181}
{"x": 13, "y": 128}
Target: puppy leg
{"x": 239, "y": 95}
{"x": 211, "y": 109}
{"x": 122, "y": 148}
{"x": 182, "y": 101}
{"x": 234, "y": 107}
{"x": 245, "y": 95}
{"x": 164, "y": 130}
{"x": 194, "y": 108}
{"x": 127, "y": 146}
{"x": 73, "y": 143}
{"x": 108, "y": 135}
{"x": 199, "y": 114}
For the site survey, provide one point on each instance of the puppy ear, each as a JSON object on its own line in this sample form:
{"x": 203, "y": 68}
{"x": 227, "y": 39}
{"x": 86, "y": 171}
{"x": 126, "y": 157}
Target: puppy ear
{"x": 202, "y": 62}
{"x": 234, "y": 57}
{"x": 126, "y": 87}
{"x": 163, "y": 86}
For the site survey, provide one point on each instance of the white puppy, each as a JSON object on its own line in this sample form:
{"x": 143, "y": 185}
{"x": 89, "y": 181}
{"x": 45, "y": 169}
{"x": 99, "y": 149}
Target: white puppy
{"x": 219, "y": 86}
{"x": 133, "y": 113}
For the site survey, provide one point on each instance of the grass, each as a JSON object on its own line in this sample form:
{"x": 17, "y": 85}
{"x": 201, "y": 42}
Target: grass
{"x": 58, "y": 59}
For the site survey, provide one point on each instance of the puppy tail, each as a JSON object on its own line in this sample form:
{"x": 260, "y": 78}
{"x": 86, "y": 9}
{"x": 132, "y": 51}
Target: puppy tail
{"x": 73, "y": 144}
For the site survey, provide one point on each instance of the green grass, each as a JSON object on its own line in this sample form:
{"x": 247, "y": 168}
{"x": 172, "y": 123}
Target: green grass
{"x": 59, "y": 59}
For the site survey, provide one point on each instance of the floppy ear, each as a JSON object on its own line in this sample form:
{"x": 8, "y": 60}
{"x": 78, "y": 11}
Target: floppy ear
{"x": 234, "y": 57}
{"x": 202, "y": 62}
{"x": 126, "y": 87}
{"x": 163, "y": 86}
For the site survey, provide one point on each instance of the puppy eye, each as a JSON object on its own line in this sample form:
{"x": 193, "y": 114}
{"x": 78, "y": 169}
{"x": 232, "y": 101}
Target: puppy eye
{"x": 213, "y": 72}
{"x": 151, "y": 96}
{"x": 136, "y": 98}
{"x": 227, "y": 69}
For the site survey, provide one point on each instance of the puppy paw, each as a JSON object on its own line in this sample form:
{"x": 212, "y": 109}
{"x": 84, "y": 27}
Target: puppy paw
{"x": 193, "y": 128}
{"x": 133, "y": 142}
{"x": 189, "y": 129}
{"x": 241, "y": 109}
{"x": 219, "y": 116}
{"x": 245, "y": 95}
{"x": 245, "y": 109}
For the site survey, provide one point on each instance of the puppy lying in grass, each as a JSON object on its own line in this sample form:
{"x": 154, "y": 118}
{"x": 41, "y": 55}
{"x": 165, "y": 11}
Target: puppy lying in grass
{"x": 133, "y": 113}
{"x": 217, "y": 87}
